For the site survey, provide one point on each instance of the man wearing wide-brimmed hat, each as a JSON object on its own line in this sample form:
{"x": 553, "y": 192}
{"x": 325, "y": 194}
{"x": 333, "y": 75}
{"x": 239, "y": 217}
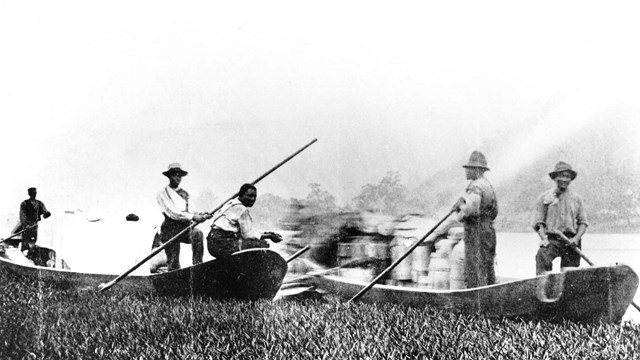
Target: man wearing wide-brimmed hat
{"x": 477, "y": 209}
{"x": 174, "y": 202}
{"x": 559, "y": 210}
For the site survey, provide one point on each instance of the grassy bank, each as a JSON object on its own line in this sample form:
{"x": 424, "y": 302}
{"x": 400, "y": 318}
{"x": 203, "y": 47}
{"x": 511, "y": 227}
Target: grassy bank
{"x": 41, "y": 323}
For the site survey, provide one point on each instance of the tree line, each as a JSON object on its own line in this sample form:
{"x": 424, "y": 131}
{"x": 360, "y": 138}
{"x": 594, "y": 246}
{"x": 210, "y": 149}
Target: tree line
{"x": 612, "y": 207}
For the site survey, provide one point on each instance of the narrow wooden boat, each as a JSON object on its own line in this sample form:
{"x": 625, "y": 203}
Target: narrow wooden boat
{"x": 248, "y": 274}
{"x": 590, "y": 294}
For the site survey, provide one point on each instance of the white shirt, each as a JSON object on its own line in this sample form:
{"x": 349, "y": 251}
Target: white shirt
{"x": 235, "y": 217}
{"x": 173, "y": 205}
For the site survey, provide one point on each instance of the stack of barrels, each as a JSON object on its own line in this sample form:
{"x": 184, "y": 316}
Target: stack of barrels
{"x": 421, "y": 263}
{"x": 446, "y": 264}
{"x": 457, "y": 260}
{"x": 438, "y": 277}
{"x": 442, "y": 269}
{"x": 424, "y": 267}
{"x": 363, "y": 247}
{"x": 402, "y": 273}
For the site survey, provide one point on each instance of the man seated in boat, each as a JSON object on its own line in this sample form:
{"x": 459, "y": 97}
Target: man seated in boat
{"x": 232, "y": 229}
{"x": 559, "y": 209}
{"x": 174, "y": 202}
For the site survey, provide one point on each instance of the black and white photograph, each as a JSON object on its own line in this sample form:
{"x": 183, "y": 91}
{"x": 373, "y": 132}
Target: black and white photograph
{"x": 319, "y": 180}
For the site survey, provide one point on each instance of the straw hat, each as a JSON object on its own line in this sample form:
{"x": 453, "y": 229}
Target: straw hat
{"x": 477, "y": 160}
{"x": 174, "y": 168}
{"x": 562, "y": 166}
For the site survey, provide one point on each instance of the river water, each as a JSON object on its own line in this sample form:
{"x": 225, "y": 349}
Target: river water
{"x": 516, "y": 252}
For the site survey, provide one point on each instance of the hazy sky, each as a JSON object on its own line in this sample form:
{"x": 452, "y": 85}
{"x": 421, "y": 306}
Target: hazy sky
{"x": 384, "y": 86}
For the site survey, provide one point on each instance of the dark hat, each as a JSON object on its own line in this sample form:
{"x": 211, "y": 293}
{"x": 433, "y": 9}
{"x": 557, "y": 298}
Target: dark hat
{"x": 562, "y": 166}
{"x": 31, "y": 189}
{"x": 132, "y": 217}
{"x": 174, "y": 168}
{"x": 477, "y": 160}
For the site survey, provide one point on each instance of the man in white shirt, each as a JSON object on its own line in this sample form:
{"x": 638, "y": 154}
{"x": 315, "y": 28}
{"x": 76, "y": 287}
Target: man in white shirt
{"x": 174, "y": 202}
{"x": 232, "y": 229}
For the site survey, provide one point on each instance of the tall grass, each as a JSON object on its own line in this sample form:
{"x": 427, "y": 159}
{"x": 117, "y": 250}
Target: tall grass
{"x": 38, "y": 322}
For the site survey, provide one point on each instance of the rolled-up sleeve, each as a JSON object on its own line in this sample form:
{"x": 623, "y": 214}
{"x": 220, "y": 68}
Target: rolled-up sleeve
{"x": 245, "y": 223}
{"x": 539, "y": 214}
{"x": 43, "y": 209}
{"x": 581, "y": 216}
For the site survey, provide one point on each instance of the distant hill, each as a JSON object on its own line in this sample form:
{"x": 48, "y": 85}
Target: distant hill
{"x": 606, "y": 157}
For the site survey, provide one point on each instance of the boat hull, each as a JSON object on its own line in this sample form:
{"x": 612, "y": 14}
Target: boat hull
{"x": 585, "y": 295}
{"x": 248, "y": 274}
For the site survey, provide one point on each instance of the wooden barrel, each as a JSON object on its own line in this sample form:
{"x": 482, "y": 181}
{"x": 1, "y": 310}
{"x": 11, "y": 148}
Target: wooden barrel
{"x": 456, "y": 233}
{"x": 381, "y": 252}
{"x": 421, "y": 258}
{"x": 423, "y": 279}
{"x": 420, "y": 264}
{"x": 403, "y": 270}
{"x": 438, "y": 277}
{"x": 344, "y": 250}
{"x": 444, "y": 246}
{"x": 377, "y": 250}
{"x": 456, "y": 267}
{"x": 359, "y": 247}
{"x": 344, "y": 255}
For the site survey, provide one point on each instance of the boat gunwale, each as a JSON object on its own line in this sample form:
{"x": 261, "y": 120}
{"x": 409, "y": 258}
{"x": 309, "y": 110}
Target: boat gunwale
{"x": 511, "y": 281}
{"x": 145, "y": 276}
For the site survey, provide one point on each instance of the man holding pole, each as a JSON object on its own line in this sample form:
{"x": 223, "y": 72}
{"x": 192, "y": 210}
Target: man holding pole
{"x": 174, "y": 202}
{"x": 232, "y": 229}
{"x": 31, "y": 212}
{"x": 477, "y": 209}
{"x": 106, "y": 286}
{"x": 559, "y": 210}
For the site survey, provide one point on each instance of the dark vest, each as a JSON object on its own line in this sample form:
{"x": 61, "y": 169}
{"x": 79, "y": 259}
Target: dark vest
{"x": 32, "y": 212}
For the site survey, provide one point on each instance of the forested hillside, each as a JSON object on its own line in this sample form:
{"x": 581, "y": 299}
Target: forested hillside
{"x": 606, "y": 157}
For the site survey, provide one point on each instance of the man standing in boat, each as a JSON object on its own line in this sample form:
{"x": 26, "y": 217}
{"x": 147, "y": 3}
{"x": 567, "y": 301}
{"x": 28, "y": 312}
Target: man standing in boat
{"x": 477, "y": 209}
{"x": 559, "y": 210}
{"x": 31, "y": 212}
{"x": 232, "y": 229}
{"x": 174, "y": 202}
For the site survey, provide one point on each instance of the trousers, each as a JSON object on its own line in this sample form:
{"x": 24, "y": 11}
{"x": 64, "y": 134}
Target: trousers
{"x": 480, "y": 253}
{"x": 556, "y": 248}
{"x": 222, "y": 243}
{"x": 169, "y": 229}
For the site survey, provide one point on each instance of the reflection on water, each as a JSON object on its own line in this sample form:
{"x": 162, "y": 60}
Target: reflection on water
{"x": 516, "y": 256}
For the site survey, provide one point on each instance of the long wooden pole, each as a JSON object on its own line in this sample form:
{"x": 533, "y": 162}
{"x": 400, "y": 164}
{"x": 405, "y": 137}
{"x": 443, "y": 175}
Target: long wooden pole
{"x": 298, "y": 253}
{"x": 395, "y": 263}
{"x": 18, "y": 233}
{"x": 582, "y": 255}
{"x": 104, "y": 287}
{"x": 349, "y": 264}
